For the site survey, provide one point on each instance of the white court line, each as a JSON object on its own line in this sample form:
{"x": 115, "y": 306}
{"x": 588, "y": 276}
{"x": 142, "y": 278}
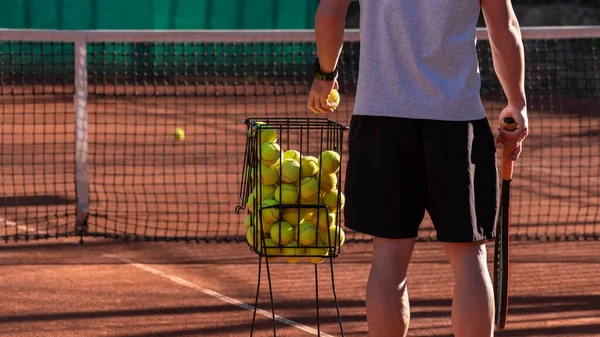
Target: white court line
{"x": 217, "y": 295}
{"x": 21, "y": 227}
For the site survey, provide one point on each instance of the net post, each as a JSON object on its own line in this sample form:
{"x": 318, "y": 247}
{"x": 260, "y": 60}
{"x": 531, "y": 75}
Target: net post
{"x": 82, "y": 182}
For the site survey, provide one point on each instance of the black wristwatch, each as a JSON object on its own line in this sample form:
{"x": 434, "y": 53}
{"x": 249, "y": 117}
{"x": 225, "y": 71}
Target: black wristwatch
{"x": 320, "y": 75}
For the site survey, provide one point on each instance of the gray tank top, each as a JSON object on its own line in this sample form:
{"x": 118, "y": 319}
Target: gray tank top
{"x": 418, "y": 59}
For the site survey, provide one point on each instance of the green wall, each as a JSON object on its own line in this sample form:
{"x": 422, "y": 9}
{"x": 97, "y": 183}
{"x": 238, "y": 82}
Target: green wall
{"x": 157, "y": 14}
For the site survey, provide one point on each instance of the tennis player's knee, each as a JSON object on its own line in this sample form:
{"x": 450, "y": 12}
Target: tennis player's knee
{"x": 466, "y": 254}
{"x": 396, "y": 252}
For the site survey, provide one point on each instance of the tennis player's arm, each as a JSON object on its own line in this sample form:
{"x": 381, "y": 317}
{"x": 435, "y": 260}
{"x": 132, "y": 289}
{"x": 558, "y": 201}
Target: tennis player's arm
{"x": 507, "y": 48}
{"x": 330, "y": 21}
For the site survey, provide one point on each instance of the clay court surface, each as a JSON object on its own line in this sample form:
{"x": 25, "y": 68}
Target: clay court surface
{"x": 145, "y": 184}
{"x": 108, "y": 288}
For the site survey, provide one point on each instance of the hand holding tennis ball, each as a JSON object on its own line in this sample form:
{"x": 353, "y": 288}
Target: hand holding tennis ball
{"x": 334, "y": 97}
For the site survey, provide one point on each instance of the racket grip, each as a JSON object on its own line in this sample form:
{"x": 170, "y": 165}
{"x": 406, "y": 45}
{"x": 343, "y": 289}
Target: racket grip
{"x": 506, "y": 168}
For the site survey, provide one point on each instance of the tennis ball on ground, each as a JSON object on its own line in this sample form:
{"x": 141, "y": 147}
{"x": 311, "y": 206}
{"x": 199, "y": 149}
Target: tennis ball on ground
{"x": 263, "y": 192}
{"x": 309, "y": 166}
{"x": 292, "y": 252}
{"x": 323, "y": 219}
{"x": 282, "y": 232}
{"x": 270, "y": 250}
{"x": 307, "y": 235}
{"x": 292, "y": 154}
{"x": 270, "y": 153}
{"x": 272, "y": 214}
{"x": 330, "y": 199}
{"x": 333, "y": 237}
{"x": 286, "y": 194}
{"x": 179, "y": 134}
{"x": 309, "y": 189}
{"x": 334, "y": 97}
{"x": 329, "y": 162}
{"x": 294, "y": 216}
{"x": 290, "y": 170}
{"x": 269, "y": 175}
{"x": 327, "y": 182}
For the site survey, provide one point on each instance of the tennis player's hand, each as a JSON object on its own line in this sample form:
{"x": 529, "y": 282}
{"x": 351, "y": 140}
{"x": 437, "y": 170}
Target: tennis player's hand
{"x": 514, "y": 139}
{"x": 317, "y": 98}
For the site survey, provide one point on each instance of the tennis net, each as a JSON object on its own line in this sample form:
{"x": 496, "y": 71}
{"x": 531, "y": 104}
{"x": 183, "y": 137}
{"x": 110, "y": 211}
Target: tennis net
{"x": 87, "y": 120}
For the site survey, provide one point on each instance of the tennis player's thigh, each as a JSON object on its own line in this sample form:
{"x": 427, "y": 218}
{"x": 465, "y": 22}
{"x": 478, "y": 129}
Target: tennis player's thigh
{"x": 462, "y": 179}
{"x": 385, "y": 180}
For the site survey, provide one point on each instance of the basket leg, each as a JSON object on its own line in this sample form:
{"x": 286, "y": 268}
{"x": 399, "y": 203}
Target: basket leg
{"x": 317, "y": 300}
{"x": 256, "y": 298}
{"x": 271, "y": 297}
{"x": 337, "y": 305}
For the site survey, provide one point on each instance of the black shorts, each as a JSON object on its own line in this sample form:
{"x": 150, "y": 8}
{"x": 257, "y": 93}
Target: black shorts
{"x": 398, "y": 168}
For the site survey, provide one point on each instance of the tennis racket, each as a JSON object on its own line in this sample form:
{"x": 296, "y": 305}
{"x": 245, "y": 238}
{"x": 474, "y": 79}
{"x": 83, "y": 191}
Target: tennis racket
{"x": 501, "y": 249}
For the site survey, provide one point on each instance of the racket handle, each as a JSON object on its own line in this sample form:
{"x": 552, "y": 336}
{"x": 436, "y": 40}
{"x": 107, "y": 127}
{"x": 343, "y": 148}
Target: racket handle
{"x": 506, "y": 169}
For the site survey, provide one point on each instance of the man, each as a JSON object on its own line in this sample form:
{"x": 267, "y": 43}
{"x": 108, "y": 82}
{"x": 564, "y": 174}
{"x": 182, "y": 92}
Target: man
{"x": 419, "y": 123}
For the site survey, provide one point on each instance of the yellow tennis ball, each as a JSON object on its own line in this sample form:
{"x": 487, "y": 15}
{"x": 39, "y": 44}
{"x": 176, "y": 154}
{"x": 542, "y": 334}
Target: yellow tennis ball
{"x": 334, "y": 97}
{"x": 179, "y": 134}
{"x": 267, "y": 134}
{"x": 333, "y": 237}
{"x": 323, "y": 219}
{"x": 294, "y": 216}
{"x": 269, "y": 175}
{"x": 253, "y": 238}
{"x": 290, "y": 170}
{"x": 292, "y": 154}
{"x": 307, "y": 235}
{"x": 270, "y": 153}
{"x": 270, "y": 214}
{"x": 327, "y": 182}
{"x": 265, "y": 224}
{"x": 263, "y": 192}
{"x": 270, "y": 250}
{"x": 317, "y": 254}
{"x": 309, "y": 189}
{"x": 249, "y": 220}
{"x": 309, "y": 166}
{"x": 292, "y": 251}
{"x": 250, "y": 202}
{"x": 282, "y": 232}
{"x": 330, "y": 199}
{"x": 286, "y": 194}
{"x": 329, "y": 162}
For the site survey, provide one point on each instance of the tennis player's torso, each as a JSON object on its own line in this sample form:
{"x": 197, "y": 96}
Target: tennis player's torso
{"x": 418, "y": 59}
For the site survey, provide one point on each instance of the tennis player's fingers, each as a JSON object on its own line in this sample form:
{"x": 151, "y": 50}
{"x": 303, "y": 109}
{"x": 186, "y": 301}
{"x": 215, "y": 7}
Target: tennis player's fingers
{"x": 325, "y": 106}
{"x": 311, "y": 103}
{"x": 516, "y": 152}
{"x": 336, "y": 86}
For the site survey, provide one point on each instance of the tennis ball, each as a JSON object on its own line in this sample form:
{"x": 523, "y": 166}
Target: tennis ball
{"x": 292, "y": 154}
{"x": 290, "y": 170}
{"x": 254, "y": 239}
{"x": 264, "y": 224}
{"x": 263, "y": 192}
{"x": 282, "y": 232}
{"x": 287, "y": 193}
{"x": 272, "y": 214}
{"x": 250, "y": 220}
{"x": 294, "y": 216}
{"x": 323, "y": 219}
{"x": 270, "y": 153}
{"x": 179, "y": 134}
{"x": 334, "y": 97}
{"x": 330, "y": 199}
{"x": 269, "y": 175}
{"x": 292, "y": 251}
{"x": 267, "y": 133}
{"x": 309, "y": 189}
{"x": 250, "y": 202}
{"x": 329, "y": 162}
{"x": 327, "y": 182}
{"x": 307, "y": 235}
{"x": 309, "y": 166}
{"x": 333, "y": 237}
{"x": 272, "y": 251}
{"x": 317, "y": 254}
